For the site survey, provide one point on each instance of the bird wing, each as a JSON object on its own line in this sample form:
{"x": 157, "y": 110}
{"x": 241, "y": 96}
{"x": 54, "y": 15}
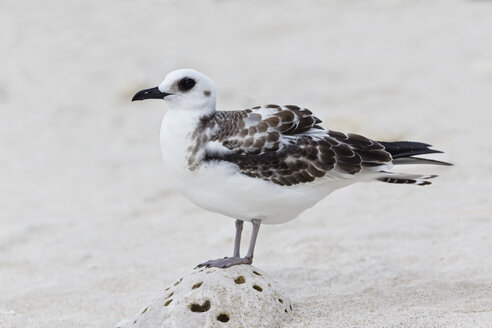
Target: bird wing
{"x": 287, "y": 146}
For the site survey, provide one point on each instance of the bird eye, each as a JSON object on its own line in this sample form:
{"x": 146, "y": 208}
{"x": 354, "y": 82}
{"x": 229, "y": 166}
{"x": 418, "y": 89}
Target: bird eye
{"x": 186, "y": 84}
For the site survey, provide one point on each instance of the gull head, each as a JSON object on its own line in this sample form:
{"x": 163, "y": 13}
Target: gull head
{"x": 184, "y": 89}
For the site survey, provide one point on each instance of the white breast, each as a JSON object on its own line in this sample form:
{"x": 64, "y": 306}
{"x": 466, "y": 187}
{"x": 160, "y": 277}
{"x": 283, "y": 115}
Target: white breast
{"x": 176, "y": 130}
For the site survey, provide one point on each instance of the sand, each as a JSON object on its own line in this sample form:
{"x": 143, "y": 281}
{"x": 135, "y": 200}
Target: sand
{"x": 91, "y": 227}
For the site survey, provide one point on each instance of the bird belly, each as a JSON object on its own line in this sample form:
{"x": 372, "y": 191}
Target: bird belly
{"x": 220, "y": 187}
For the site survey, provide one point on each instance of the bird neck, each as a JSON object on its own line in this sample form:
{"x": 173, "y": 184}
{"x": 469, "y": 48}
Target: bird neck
{"x": 193, "y": 108}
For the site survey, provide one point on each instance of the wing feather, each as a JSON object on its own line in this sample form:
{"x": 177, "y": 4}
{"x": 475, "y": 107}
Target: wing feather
{"x": 286, "y": 145}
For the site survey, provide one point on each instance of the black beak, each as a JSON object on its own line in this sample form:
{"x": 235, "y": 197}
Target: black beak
{"x": 152, "y": 93}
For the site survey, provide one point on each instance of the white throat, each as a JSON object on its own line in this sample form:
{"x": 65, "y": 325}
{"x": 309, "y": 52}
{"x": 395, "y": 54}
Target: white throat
{"x": 191, "y": 110}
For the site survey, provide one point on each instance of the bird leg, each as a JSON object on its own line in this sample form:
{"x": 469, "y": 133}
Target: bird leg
{"x": 237, "y": 240}
{"x": 227, "y": 262}
{"x": 252, "y": 242}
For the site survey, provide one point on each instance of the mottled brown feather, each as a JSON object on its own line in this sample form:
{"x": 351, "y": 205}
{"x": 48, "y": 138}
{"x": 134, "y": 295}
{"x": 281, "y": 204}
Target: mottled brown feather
{"x": 285, "y": 145}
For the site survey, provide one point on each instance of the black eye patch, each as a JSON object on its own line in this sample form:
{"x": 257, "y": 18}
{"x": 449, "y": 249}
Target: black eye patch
{"x": 186, "y": 84}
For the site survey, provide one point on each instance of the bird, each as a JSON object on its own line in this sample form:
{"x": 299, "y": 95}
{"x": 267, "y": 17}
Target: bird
{"x": 265, "y": 164}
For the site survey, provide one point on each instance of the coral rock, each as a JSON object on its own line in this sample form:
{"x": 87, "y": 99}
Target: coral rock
{"x": 239, "y": 296}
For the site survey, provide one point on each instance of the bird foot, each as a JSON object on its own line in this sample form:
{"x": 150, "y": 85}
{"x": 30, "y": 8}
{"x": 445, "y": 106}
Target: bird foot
{"x": 225, "y": 262}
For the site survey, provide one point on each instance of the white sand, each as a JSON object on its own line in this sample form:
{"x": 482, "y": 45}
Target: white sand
{"x": 91, "y": 228}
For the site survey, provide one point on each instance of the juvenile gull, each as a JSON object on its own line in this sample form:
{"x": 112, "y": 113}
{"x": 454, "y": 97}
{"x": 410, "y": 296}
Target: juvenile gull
{"x": 266, "y": 164}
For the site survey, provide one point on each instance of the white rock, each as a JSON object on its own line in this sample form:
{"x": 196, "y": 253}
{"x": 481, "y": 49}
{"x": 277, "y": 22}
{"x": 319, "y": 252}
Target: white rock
{"x": 240, "y": 296}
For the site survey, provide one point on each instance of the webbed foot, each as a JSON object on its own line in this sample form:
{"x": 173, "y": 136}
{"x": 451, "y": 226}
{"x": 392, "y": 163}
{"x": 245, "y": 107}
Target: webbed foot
{"x": 225, "y": 262}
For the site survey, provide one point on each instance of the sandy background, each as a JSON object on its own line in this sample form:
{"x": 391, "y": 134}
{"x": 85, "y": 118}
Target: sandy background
{"x": 91, "y": 228}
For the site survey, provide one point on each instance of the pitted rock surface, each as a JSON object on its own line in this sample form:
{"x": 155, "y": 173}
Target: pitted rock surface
{"x": 239, "y": 296}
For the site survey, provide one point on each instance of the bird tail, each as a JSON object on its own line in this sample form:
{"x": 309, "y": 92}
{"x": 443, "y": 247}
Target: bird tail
{"x": 405, "y": 178}
{"x": 403, "y": 152}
